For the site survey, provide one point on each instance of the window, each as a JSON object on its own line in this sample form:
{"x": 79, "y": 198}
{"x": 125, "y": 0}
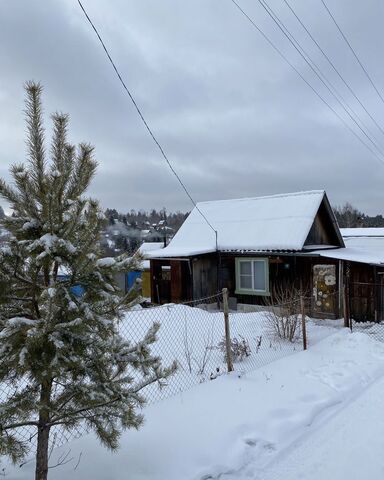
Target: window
{"x": 252, "y": 276}
{"x": 166, "y": 272}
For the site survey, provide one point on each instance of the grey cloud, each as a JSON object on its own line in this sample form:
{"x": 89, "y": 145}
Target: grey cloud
{"x": 234, "y": 119}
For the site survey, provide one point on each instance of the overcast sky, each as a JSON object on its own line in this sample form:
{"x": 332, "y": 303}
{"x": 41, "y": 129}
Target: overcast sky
{"x": 234, "y": 119}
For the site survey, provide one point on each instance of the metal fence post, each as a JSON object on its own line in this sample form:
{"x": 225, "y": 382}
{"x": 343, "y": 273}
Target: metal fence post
{"x": 303, "y": 323}
{"x": 227, "y": 332}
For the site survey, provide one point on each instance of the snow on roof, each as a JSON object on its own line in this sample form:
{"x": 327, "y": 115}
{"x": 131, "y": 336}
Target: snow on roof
{"x": 351, "y": 254}
{"x": 369, "y": 243}
{"x": 277, "y": 222}
{"x": 362, "y": 232}
{"x": 147, "y": 247}
{"x": 363, "y": 245}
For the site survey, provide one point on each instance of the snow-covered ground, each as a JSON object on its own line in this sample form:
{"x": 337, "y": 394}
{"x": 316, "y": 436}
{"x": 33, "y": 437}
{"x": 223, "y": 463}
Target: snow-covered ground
{"x": 315, "y": 414}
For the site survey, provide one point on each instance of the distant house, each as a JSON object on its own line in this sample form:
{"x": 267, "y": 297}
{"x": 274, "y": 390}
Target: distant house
{"x": 261, "y": 243}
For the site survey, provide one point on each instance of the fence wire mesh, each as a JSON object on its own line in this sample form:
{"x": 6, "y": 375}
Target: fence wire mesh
{"x": 193, "y": 334}
{"x": 366, "y": 308}
{"x": 373, "y": 329}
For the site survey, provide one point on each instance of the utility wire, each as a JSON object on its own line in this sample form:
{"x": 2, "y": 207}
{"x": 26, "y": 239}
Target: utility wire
{"x": 269, "y": 41}
{"x": 333, "y": 66}
{"x": 143, "y": 119}
{"x": 297, "y": 47}
{"x": 353, "y": 51}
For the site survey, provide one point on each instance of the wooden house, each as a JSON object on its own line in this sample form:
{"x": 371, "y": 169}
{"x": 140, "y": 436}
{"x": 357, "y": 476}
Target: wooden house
{"x": 253, "y": 246}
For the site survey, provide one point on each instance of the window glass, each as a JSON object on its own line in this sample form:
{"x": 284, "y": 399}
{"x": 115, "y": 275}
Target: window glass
{"x": 245, "y": 268}
{"x": 246, "y": 275}
{"x": 259, "y": 275}
{"x": 246, "y": 282}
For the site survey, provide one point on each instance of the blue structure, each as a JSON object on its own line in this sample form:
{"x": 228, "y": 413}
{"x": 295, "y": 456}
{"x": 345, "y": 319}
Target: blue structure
{"x": 77, "y": 290}
{"x": 131, "y": 278}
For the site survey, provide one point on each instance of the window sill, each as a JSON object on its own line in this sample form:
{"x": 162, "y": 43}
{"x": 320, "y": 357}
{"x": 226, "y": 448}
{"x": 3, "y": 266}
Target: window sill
{"x": 257, "y": 293}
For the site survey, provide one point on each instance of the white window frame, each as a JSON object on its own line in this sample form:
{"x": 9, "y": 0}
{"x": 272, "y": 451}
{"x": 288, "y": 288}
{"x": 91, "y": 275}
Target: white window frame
{"x": 252, "y": 291}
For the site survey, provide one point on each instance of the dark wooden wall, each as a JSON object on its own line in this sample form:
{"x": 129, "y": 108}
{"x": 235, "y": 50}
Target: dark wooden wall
{"x": 173, "y": 283}
{"x": 365, "y": 292}
{"x": 323, "y": 231}
{"x": 283, "y": 271}
{"x": 204, "y": 276}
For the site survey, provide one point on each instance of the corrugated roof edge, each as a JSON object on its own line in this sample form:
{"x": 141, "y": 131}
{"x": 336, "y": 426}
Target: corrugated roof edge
{"x": 279, "y": 195}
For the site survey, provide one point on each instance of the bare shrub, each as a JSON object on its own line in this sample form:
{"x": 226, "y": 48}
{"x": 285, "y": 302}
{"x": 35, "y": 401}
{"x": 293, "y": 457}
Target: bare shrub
{"x": 283, "y": 315}
{"x": 204, "y": 347}
{"x": 188, "y": 344}
{"x": 239, "y": 347}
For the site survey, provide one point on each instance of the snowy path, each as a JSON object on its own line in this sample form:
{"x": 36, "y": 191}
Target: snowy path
{"x": 349, "y": 446}
{"x": 335, "y": 434}
{"x": 301, "y": 416}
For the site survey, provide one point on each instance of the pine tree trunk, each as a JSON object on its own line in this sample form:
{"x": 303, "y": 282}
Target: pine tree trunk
{"x": 43, "y": 432}
{"x": 42, "y": 454}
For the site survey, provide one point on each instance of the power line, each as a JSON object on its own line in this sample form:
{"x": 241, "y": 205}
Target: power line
{"x": 299, "y": 49}
{"x": 143, "y": 119}
{"x": 269, "y": 41}
{"x": 353, "y": 51}
{"x": 334, "y": 67}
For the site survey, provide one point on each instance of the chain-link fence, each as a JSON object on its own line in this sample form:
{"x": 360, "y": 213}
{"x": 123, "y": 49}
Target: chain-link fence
{"x": 193, "y": 334}
{"x": 366, "y": 308}
{"x": 373, "y": 329}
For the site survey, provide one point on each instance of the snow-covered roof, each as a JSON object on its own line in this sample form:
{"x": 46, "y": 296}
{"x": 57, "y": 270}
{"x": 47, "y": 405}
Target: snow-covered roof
{"x": 369, "y": 243}
{"x": 273, "y": 223}
{"x": 363, "y": 245}
{"x": 352, "y": 254}
{"x": 362, "y": 232}
{"x": 147, "y": 247}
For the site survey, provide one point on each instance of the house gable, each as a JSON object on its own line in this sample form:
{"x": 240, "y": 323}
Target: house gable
{"x": 324, "y": 230}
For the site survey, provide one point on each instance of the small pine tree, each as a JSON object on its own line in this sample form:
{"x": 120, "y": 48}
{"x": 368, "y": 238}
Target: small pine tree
{"x": 61, "y": 351}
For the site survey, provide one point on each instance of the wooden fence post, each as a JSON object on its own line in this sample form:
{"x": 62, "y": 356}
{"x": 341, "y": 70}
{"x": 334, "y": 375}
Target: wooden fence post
{"x": 227, "y": 332}
{"x": 347, "y": 319}
{"x": 347, "y": 297}
{"x": 303, "y": 323}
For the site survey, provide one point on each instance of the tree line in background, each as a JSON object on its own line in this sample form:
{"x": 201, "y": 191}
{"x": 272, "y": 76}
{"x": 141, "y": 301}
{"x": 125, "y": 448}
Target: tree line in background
{"x": 125, "y": 232}
{"x": 142, "y": 219}
{"x": 348, "y": 216}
